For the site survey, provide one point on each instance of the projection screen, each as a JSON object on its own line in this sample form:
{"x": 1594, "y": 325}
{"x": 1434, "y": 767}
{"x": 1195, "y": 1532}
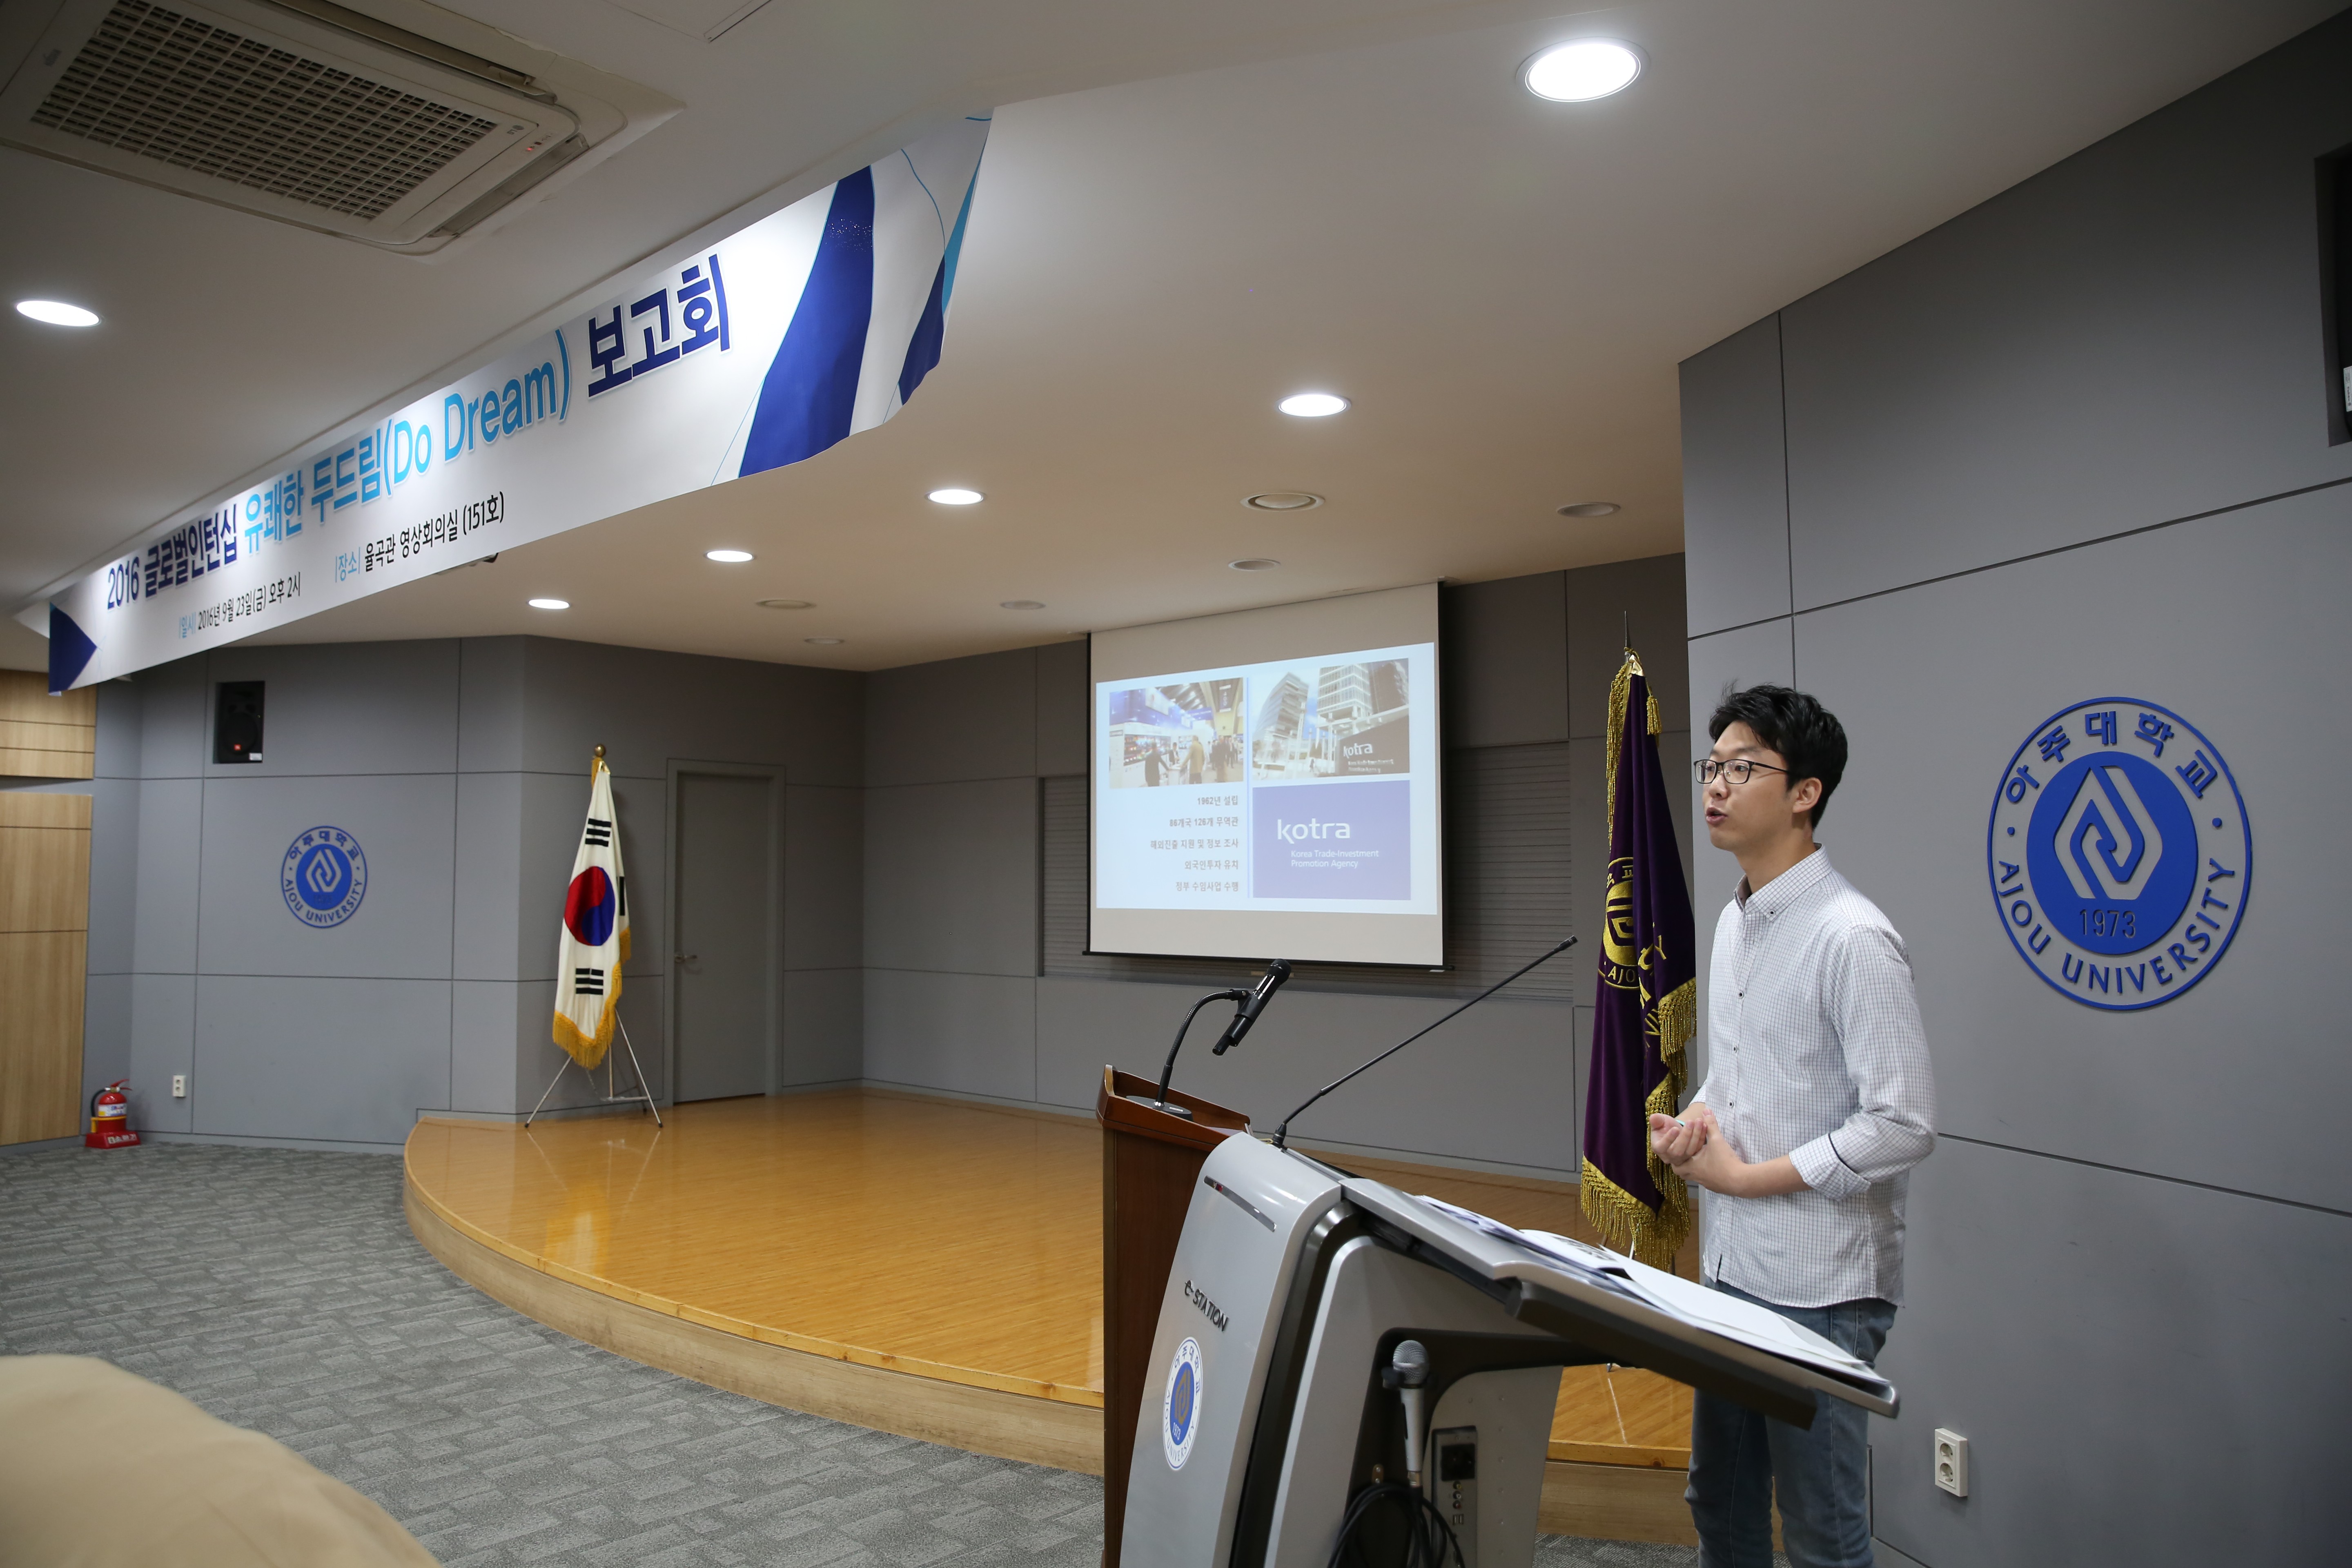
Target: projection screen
{"x": 1265, "y": 784}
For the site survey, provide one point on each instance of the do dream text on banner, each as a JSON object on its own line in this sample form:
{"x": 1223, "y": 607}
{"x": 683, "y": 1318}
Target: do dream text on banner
{"x": 811, "y": 324}
{"x": 593, "y": 942}
{"x": 1646, "y": 1008}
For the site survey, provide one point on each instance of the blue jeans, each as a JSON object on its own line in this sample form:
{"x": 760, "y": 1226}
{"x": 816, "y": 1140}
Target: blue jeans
{"x": 1824, "y": 1471}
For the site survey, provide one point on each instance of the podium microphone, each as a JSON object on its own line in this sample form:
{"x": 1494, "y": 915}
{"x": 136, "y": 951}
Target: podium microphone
{"x": 1260, "y": 995}
{"x": 1253, "y": 1002}
{"x": 1408, "y": 1373}
{"x": 1282, "y": 1132}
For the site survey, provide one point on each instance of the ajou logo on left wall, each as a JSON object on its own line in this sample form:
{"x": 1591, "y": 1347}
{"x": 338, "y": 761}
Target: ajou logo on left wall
{"x": 2120, "y": 853}
{"x": 324, "y": 877}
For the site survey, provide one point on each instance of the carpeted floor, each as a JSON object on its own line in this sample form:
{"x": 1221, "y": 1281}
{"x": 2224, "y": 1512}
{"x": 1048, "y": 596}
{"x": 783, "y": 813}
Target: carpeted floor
{"x": 282, "y": 1291}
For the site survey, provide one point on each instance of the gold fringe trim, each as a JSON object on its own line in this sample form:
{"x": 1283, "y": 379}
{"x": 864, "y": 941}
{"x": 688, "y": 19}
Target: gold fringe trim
{"x": 1625, "y": 1222}
{"x": 1620, "y": 692}
{"x": 589, "y": 1050}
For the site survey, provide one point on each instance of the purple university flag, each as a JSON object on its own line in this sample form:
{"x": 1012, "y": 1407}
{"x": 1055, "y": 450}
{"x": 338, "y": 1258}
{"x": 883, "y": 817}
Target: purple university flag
{"x": 1648, "y": 999}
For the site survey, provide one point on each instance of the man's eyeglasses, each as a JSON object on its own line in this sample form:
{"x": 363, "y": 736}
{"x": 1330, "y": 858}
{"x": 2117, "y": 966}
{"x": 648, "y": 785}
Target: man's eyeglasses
{"x": 1736, "y": 772}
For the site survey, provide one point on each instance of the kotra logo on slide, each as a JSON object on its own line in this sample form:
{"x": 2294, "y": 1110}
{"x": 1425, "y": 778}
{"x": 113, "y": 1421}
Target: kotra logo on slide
{"x": 1179, "y": 1407}
{"x": 324, "y": 877}
{"x": 2120, "y": 853}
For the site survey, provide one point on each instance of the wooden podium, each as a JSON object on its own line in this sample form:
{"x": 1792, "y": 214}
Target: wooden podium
{"x": 1151, "y": 1161}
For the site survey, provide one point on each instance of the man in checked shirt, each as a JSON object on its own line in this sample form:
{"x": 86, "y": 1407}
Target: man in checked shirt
{"x": 1818, "y": 1100}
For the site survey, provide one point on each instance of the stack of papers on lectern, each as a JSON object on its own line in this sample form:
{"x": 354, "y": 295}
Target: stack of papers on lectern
{"x": 1688, "y": 1299}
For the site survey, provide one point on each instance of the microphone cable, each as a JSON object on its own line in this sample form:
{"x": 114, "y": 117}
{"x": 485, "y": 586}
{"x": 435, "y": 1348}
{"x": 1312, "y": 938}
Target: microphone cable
{"x": 1428, "y": 1536}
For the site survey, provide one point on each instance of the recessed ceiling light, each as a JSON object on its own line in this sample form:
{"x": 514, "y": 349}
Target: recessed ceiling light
{"x": 1313, "y": 404}
{"x": 730, "y": 557}
{"x": 786, "y": 604}
{"x": 823, "y": 642}
{"x": 57, "y": 312}
{"x": 953, "y": 496}
{"x": 1283, "y": 500}
{"x": 550, "y": 604}
{"x": 1019, "y": 604}
{"x": 1255, "y": 563}
{"x": 1591, "y": 508}
{"x": 1581, "y": 71}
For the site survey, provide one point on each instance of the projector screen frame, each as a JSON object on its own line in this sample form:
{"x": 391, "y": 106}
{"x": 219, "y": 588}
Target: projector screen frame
{"x": 1438, "y": 919}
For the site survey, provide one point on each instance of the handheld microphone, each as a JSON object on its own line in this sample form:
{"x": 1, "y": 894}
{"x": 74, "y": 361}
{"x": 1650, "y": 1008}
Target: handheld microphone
{"x": 1282, "y": 1133}
{"x": 1246, "y": 1013}
{"x": 1408, "y": 1373}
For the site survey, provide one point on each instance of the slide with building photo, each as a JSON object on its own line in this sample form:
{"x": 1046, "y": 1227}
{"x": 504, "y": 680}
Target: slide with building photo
{"x": 1289, "y": 784}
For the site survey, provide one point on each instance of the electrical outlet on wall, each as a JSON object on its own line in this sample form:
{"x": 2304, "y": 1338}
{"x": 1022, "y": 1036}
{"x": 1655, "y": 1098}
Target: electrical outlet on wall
{"x": 1951, "y": 1461}
{"x": 178, "y": 1086}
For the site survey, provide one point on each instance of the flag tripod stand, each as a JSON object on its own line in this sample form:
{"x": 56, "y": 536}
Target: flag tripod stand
{"x": 643, "y": 1096}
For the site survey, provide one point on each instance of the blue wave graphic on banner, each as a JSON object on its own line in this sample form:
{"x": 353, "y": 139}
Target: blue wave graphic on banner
{"x": 70, "y": 648}
{"x": 811, "y": 390}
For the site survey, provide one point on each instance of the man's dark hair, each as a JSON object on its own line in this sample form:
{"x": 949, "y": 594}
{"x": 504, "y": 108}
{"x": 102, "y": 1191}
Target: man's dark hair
{"x": 1807, "y": 735}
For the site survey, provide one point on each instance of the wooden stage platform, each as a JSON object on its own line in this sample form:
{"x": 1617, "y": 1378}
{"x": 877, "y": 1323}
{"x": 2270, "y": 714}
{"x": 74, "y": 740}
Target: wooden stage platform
{"x": 927, "y": 1267}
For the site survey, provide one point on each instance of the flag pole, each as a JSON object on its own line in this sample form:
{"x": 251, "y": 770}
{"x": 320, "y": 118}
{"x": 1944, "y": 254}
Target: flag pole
{"x": 644, "y": 1095}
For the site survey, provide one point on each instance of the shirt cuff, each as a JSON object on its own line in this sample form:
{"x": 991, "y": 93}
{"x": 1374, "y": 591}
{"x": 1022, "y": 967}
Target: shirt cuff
{"x": 1827, "y": 1175}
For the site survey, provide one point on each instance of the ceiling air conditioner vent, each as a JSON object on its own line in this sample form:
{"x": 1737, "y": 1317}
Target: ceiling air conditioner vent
{"x": 305, "y": 113}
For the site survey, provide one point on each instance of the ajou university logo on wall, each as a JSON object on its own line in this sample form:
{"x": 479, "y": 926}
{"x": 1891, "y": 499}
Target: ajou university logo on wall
{"x": 2120, "y": 853}
{"x": 324, "y": 877}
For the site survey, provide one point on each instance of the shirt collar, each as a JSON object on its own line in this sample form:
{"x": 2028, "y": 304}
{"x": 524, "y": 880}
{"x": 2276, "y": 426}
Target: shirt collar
{"x": 1783, "y": 889}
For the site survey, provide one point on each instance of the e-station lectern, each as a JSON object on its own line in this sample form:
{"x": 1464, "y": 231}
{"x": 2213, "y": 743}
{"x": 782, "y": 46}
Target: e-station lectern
{"x": 1329, "y": 1346}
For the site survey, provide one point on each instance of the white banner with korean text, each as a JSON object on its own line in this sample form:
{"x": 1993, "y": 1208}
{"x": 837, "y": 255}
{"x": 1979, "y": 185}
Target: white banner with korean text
{"x": 762, "y": 349}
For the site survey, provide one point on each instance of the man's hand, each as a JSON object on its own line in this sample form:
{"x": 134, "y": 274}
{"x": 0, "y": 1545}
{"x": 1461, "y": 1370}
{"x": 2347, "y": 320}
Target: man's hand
{"x": 1698, "y": 1152}
{"x": 1676, "y": 1142}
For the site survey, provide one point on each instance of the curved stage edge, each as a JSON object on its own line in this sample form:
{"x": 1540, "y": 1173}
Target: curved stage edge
{"x": 504, "y": 1241}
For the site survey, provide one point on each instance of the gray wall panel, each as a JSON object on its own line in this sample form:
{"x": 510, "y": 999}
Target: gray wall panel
{"x": 162, "y": 1042}
{"x": 824, "y": 878}
{"x": 1936, "y": 699}
{"x": 968, "y": 1033}
{"x": 1063, "y": 714}
{"x": 958, "y": 719}
{"x": 1517, "y": 625}
{"x": 349, "y": 1060}
{"x": 648, "y": 708}
{"x": 1498, "y": 1085}
{"x": 485, "y": 1020}
{"x": 1748, "y": 656}
{"x": 346, "y": 707}
{"x": 2143, "y": 1370}
{"x": 2129, "y": 337}
{"x": 170, "y": 844}
{"x": 825, "y": 1027}
{"x": 113, "y": 874}
{"x": 106, "y": 1031}
{"x": 952, "y": 876}
{"x": 120, "y": 713}
{"x": 490, "y": 704}
{"x": 175, "y": 733}
{"x": 402, "y": 927}
{"x": 1643, "y": 599}
{"x": 1735, "y": 490}
{"x": 486, "y": 909}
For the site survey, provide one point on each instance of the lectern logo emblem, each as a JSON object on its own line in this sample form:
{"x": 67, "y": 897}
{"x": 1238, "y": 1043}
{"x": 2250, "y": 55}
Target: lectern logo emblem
{"x": 1180, "y": 1408}
{"x": 324, "y": 877}
{"x": 2118, "y": 853}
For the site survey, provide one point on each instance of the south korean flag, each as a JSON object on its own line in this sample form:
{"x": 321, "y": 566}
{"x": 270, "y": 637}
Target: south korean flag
{"x": 595, "y": 942}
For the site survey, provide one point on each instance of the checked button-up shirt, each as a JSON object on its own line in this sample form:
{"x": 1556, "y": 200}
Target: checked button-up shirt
{"x": 1815, "y": 1052}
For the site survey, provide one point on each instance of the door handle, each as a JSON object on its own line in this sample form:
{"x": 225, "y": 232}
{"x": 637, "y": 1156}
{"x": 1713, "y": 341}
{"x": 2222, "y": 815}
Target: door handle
{"x": 687, "y": 958}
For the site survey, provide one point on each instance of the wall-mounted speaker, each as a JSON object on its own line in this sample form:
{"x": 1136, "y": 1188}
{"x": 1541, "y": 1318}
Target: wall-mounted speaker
{"x": 236, "y": 721}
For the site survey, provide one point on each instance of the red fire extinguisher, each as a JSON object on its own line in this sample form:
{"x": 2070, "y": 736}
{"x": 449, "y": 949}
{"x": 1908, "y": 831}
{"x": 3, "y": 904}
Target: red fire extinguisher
{"x": 109, "y": 1119}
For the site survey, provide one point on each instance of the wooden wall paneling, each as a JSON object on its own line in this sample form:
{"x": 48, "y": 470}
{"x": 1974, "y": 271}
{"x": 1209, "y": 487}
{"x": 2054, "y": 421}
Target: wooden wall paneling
{"x": 43, "y": 736}
{"x": 44, "y": 962}
{"x": 41, "y": 974}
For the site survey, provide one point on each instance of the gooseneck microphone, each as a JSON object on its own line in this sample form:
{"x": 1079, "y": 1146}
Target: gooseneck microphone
{"x": 1253, "y": 1002}
{"x": 1246, "y": 1014}
{"x": 1282, "y": 1133}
